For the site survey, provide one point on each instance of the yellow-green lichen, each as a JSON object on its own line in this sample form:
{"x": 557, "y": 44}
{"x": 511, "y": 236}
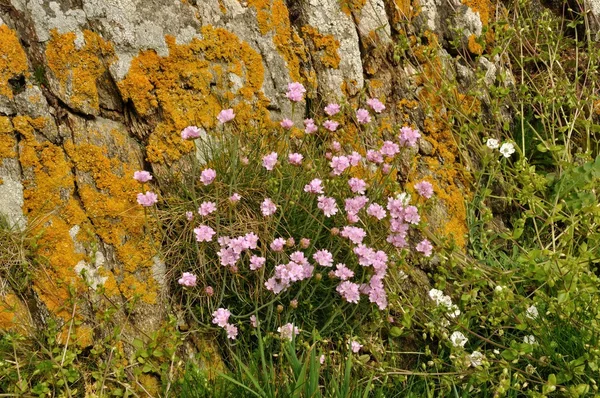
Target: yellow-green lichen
{"x": 327, "y": 45}
{"x": 13, "y": 61}
{"x": 77, "y": 70}
{"x": 7, "y": 139}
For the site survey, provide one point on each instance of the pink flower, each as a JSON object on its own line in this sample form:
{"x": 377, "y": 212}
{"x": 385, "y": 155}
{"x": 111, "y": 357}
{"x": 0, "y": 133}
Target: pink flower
{"x": 389, "y": 149}
{"x": 408, "y": 136}
{"x": 349, "y": 291}
{"x": 352, "y": 217}
{"x": 355, "y": 346}
{"x": 286, "y": 124}
{"x": 355, "y": 234}
{"x": 411, "y": 215}
{"x": 304, "y": 243}
{"x": 268, "y": 208}
{"x": 322, "y": 359}
{"x": 376, "y": 211}
{"x": 269, "y": 161}
{"x": 235, "y": 198}
{"x": 339, "y": 164}
{"x": 295, "y": 159}
{"x": 332, "y": 109}
{"x": 232, "y": 331}
{"x": 425, "y": 189}
{"x": 226, "y": 115}
{"x": 314, "y": 186}
{"x": 277, "y": 244}
{"x": 336, "y": 146}
{"x": 424, "y": 247}
{"x": 354, "y": 158}
{"x": 206, "y": 208}
{"x": 244, "y": 160}
{"x": 309, "y": 126}
{"x": 327, "y": 205}
{"x": 187, "y": 279}
{"x": 343, "y": 272}
{"x": 397, "y": 240}
{"x": 204, "y": 233}
{"x": 221, "y": 317}
{"x": 147, "y": 199}
{"x": 386, "y": 168}
{"x": 376, "y": 105}
{"x": 287, "y": 331}
{"x": 250, "y": 241}
{"x": 189, "y": 215}
{"x": 363, "y": 116}
{"x": 142, "y": 176}
{"x": 257, "y": 262}
{"x": 191, "y": 132}
{"x": 324, "y": 258}
{"x": 295, "y": 92}
{"x": 357, "y": 185}
{"x": 355, "y": 204}
{"x": 374, "y": 156}
{"x": 209, "y": 291}
{"x": 330, "y": 125}
{"x": 208, "y": 176}
{"x": 253, "y": 321}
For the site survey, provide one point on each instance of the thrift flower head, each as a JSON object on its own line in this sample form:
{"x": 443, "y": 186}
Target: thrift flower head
{"x": 411, "y": 215}
{"x": 295, "y": 159}
{"x": 328, "y": 205}
{"x": 204, "y": 233}
{"x": 235, "y": 198}
{"x": 357, "y": 185}
{"x": 142, "y": 176}
{"x": 355, "y": 346}
{"x": 277, "y": 244}
{"x": 226, "y": 115}
{"x": 287, "y": 331}
{"x": 336, "y": 146}
{"x": 376, "y": 211}
{"x": 424, "y": 188}
{"x": 424, "y": 247}
{"x": 363, "y": 116}
{"x": 257, "y": 262}
{"x": 208, "y": 176}
{"x": 304, "y": 243}
{"x": 458, "y": 339}
{"x": 507, "y": 149}
{"x": 206, "y": 208}
{"x": 408, "y": 137}
{"x": 232, "y": 331}
{"x": 354, "y": 158}
{"x": 191, "y": 132}
{"x": 221, "y": 317}
{"x": 492, "y": 143}
{"x": 386, "y": 168}
{"x": 314, "y": 186}
{"x": 355, "y": 204}
{"x": 269, "y": 160}
{"x": 343, "y": 272}
{"x": 189, "y": 215}
{"x": 147, "y": 199}
{"x": 355, "y": 234}
{"x": 339, "y": 164}
{"x": 324, "y": 258}
{"x": 267, "y": 207}
{"x": 295, "y": 92}
{"x": 349, "y": 291}
{"x": 286, "y": 123}
{"x": 187, "y": 279}
{"x": 374, "y": 156}
{"x": 330, "y": 125}
{"x": 389, "y": 149}
{"x": 253, "y": 321}
{"x": 310, "y": 126}
{"x": 209, "y": 291}
{"x": 332, "y": 109}
{"x": 376, "y": 105}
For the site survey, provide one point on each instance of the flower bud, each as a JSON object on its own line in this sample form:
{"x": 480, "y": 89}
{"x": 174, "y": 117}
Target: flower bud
{"x": 279, "y": 308}
{"x": 294, "y": 303}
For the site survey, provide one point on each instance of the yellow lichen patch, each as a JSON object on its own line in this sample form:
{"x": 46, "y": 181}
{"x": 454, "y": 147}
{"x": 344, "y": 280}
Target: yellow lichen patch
{"x": 473, "y": 46}
{"x": 192, "y": 85}
{"x": 13, "y": 61}
{"x": 273, "y": 15}
{"x": 352, "y": 6}
{"x": 78, "y": 69}
{"x": 326, "y": 44}
{"x": 14, "y": 315}
{"x": 485, "y": 8}
{"x": 404, "y": 10}
{"x": 7, "y": 139}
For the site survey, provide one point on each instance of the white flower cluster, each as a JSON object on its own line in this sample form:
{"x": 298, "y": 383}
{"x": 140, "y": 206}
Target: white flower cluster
{"x": 507, "y": 149}
{"x": 444, "y": 300}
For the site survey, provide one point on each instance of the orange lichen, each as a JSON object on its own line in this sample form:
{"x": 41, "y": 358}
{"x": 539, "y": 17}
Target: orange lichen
{"x": 473, "y": 46}
{"x": 14, "y": 314}
{"x": 273, "y": 15}
{"x": 405, "y": 10}
{"x": 78, "y": 69}
{"x": 485, "y": 8}
{"x": 352, "y": 6}
{"x": 13, "y": 61}
{"x": 8, "y": 141}
{"x": 326, "y": 44}
{"x": 192, "y": 84}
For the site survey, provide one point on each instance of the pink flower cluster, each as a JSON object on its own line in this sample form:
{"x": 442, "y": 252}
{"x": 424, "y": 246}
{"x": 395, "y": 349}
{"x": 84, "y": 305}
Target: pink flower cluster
{"x": 267, "y": 207}
{"x": 231, "y": 249}
{"x": 408, "y": 137}
{"x": 328, "y": 205}
{"x": 191, "y": 132}
{"x": 187, "y": 279}
{"x": 221, "y": 319}
{"x": 315, "y": 186}
{"x": 288, "y": 331}
{"x": 297, "y": 269}
{"x": 208, "y": 176}
{"x": 376, "y": 105}
{"x": 295, "y": 92}
{"x": 226, "y": 115}
{"x": 142, "y": 176}
{"x": 310, "y": 126}
{"x": 147, "y": 199}
{"x": 269, "y": 161}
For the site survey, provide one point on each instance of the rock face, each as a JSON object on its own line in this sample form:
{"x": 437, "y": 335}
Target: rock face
{"x": 92, "y": 90}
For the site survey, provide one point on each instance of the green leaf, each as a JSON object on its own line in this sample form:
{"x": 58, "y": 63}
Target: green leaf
{"x": 395, "y": 331}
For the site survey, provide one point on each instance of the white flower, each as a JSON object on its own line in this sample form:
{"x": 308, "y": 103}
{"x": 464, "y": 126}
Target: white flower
{"x": 499, "y": 288}
{"x": 436, "y": 295}
{"x": 492, "y": 143}
{"x": 476, "y": 358}
{"x": 532, "y": 312}
{"x": 453, "y": 311}
{"x": 322, "y": 359}
{"x": 529, "y": 339}
{"x": 404, "y": 198}
{"x": 507, "y": 149}
{"x": 458, "y": 339}
{"x": 287, "y": 331}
